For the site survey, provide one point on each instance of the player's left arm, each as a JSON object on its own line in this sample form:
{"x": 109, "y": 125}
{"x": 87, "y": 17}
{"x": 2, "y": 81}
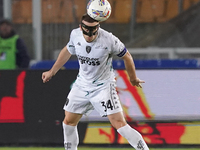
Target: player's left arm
{"x": 130, "y": 68}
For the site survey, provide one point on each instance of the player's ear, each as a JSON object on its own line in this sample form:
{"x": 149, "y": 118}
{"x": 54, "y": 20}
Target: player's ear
{"x": 80, "y": 27}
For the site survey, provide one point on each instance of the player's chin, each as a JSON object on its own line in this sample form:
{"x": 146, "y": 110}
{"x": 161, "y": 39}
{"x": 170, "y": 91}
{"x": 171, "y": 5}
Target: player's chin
{"x": 89, "y": 39}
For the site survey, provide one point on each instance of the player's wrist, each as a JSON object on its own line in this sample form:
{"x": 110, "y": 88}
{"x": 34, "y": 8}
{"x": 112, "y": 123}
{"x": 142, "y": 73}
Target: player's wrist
{"x": 52, "y": 72}
{"x": 133, "y": 79}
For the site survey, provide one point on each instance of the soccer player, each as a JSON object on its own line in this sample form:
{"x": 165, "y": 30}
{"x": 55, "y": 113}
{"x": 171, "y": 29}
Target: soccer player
{"x": 95, "y": 85}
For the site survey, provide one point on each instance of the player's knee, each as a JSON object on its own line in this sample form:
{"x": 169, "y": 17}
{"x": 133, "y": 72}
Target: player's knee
{"x": 118, "y": 123}
{"x": 68, "y": 122}
{"x": 117, "y": 120}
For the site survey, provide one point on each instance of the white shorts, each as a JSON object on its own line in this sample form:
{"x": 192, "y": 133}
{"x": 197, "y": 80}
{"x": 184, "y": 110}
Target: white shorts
{"x": 103, "y": 99}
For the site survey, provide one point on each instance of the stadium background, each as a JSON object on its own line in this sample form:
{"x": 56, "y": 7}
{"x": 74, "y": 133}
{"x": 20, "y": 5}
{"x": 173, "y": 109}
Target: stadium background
{"x": 162, "y": 35}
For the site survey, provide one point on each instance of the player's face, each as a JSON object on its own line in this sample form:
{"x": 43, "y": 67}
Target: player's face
{"x": 5, "y": 29}
{"x": 90, "y": 30}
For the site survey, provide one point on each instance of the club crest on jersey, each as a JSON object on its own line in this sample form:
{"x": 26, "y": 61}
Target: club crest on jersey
{"x": 88, "y": 49}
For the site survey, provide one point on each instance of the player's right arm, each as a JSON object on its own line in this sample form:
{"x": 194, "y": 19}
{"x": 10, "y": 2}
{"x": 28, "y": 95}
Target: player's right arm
{"x": 63, "y": 57}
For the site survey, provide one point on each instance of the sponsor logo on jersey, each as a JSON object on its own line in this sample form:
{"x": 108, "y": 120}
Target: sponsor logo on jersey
{"x": 140, "y": 145}
{"x": 116, "y": 42}
{"x": 101, "y": 47}
{"x": 79, "y": 44}
{"x": 71, "y": 45}
{"x": 88, "y": 61}
{"x": 68, "y": 145}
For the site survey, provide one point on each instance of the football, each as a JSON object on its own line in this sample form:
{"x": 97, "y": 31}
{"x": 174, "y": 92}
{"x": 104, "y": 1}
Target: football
{"x": 99, "y": 10}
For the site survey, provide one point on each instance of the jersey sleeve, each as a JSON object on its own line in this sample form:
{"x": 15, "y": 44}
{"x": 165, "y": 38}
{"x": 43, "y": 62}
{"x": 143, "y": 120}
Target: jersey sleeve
{"x": 118, "y": 48}
{"x": 70, "y": 45}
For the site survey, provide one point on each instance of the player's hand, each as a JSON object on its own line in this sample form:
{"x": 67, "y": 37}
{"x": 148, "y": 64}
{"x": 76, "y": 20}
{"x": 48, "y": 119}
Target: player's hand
{"x": 137, "y": 82}
{"x": 46, "y": 76}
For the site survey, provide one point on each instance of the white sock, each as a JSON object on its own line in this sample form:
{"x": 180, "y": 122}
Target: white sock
{"x": 133, "y": 137}
{"x": 71, "y": 138}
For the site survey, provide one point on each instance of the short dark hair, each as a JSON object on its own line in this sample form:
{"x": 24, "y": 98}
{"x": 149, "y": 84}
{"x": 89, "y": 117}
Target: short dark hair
{"x": 6, "y": 21}
{"x": 87, "y": 18}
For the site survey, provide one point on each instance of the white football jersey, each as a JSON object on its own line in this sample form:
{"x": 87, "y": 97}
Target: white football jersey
{"x": 95, "y": 58}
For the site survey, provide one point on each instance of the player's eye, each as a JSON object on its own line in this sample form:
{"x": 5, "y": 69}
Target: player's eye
{"x": 86, "y": 30}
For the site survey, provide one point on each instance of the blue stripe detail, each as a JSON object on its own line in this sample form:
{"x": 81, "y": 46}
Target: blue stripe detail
{"x": 122, "y": 53}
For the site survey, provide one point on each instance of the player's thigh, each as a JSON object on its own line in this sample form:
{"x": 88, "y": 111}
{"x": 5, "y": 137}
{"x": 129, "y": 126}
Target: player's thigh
{"x": 71, "y": 118}
{"x": 106, "y": 101}
{"x": 78, "y": 101}
{"x": 117, "y": 120}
